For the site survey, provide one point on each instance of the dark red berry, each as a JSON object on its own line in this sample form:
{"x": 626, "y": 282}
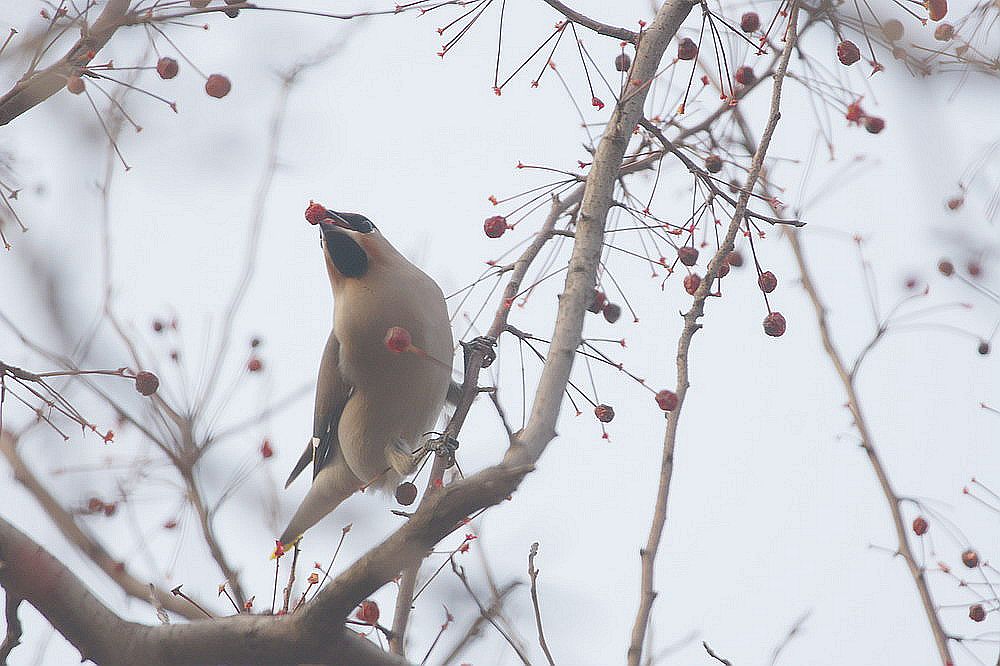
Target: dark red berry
{"x": 166, "y": 68}
{"x": 848, "y": 52}
{"x": 74, "y": 84}
{"x": 734, "y": 259}
{"x": 666, "y": 400}
{"x": 95, "y": 505}
{"x": 874, "y": 124}
{"x": 255, "y": 364}
{"x": 368, "y": 612}
{"x": 597, "y": 301}
{"x": 110, "y": 509}
{"x": 495, "y": 226}
{"x": 315, "y": 213}
{"x": 688, "y": 255}
{"x": 983, "y": 348}
{"x": 218, "y": 86}
{"x": 944, "y": 32}
{"x": 893, "y": 30}
{"x": 936, "y": 9}
{"x": 691, "y": 283}
{"x": 977, "y": 613}
{"x": 920, "y": 526}
{"x": 406, "y": 493}
{"x": 398, "y": 340}
{"x": 713, "y": 163}
{"x": 612, "y": 312}
{"x": 146, "y": 383}
{"x": 946, "y": 267}
{"x": 623, "y": 62}
{"x": 975, "y": 268}
{"x": 767, "y": 282}
{"x": 745, "y": 76}
{"x": 604, "y": 413}
{"x": 687, "y": 49}
{"x": 157, "y": 326}
{"x": 774, "y": 325}
{"x": 955, "y": 203}
{"x": 970, "y": 558}
{"x": 266, "y": 450}
{"x": 750, "y": 22}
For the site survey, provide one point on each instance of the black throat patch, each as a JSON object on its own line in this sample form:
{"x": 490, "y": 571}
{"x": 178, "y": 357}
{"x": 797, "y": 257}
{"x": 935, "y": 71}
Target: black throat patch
{"x": 346, "y": 254}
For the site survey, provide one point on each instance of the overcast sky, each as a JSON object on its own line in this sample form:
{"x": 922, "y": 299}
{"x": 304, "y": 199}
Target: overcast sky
{"x": 773, "y": 508}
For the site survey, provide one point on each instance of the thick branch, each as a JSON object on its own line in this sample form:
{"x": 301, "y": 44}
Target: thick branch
{"x": 648, "y": 553}
{"x": 596, "y": 26}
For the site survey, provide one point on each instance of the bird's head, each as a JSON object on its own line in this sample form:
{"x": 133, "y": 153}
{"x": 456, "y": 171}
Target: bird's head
{"x": 350, "y": 241}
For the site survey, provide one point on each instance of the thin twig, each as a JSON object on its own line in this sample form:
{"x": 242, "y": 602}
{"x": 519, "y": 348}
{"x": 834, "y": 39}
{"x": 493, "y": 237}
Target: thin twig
{"x": 533, "y": 575}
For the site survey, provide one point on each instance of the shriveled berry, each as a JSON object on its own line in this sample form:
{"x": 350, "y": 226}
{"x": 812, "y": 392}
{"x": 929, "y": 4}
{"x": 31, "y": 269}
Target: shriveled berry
{"x": 666, "y": 400}
{"x": 597, "y": 301}
{"x": 713, "y": 163}
{"x": 944, "y": 32}
{"x": 368, "y": 612}
{"x": 920, "y": 526}
{"x": 977, "y": 613}
{"x": 955, "y": 203}
{"x": 74, "y": 84}
{"x": 623, "y": 62}
{"x": 315, "y": 213}
{"x": 767, "y": 282}
{"x": 774, "y": 324}
{"x": 146, "y": 383}
{"x": 936, "y": 9}
{"x": 946, "y": 267}
{"x": 687, "y": 49}
{"x": 970, "y": 558}
{"x": 406, "y": 493}
{"x": 734, "y": 259}
{"x": 874, "y": 124}
{"x": 893, "y": 30}
{"x": 255, "y": 364}
{"x": 218, "y": 86}
{"x": 495, "y": 226}
{"x": 688, "y": 255}
{"x": 604, "y": 413}
{"x": 750, "y": 22}
{"x": 266, "y": 449}
{"x": 166, "y": 67}
{"x": 745, "y": 76}
{"x": 983, "y": 348}
{"x": 398, "y": 340}
{"x": 691, "y": 283}
{"x": 848, "y": 52}
{"x": 612, "y": 312}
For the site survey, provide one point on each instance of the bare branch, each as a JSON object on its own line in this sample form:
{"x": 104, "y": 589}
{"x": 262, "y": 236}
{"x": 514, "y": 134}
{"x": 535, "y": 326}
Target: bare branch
{"x": 596, "y": 26}
{"x": 533, "y": 575}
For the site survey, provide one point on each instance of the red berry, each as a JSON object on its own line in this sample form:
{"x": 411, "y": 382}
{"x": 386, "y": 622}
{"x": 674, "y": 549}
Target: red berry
{"x": 687, "y": 49}
{"x": 774, "y": 325}
{"x": 666, "y": 400}
{"x": 495, "y": 226}
{"x": 398, "y": 340}
{"x": 595, "y": 101}
{"x": 166, "y": 68}
{"x": 688, "y": 255}
{"x": 255, "y": 364}
{"x": 266, "y": 450}
{"x": 750, "y": 22}
{"x": 848, "y": 52}
{"x": 315, "y": 212}
{"x": 936, "y": 9}
{"x": 855, "y": 114}
{"x": 920, "y": 526}
{"x": 597, "y": 301}
{"x": 745, "y": 76}
{"x": 970, "y": 558}
{"x": 611, "y": 312}
{"x": 975, "y": 268}
{"x": 944, "y": 32}
{"x": 146, "y": 383}
{"x": 977, "y": 613}
{"x": 604, "y": 413}
{"x": 623, "y": 62}
{"x": 691, "y": 283}
{"x": 368, "y": 612}
{"x": 946, "y": 267}
{"x": 955, "y": 202}
{"x": 983, "y": 348}
{"x": 406, "y": 493}
{"x": 218, "y": 86}
{"x": 767, "y": 282}
{"x": 874, "y": 124}
{"x": 734, "y": 259}
{"x": 74, "y": 84}
{"x": 893, "y": 30}
{"x": 713, "y": 163}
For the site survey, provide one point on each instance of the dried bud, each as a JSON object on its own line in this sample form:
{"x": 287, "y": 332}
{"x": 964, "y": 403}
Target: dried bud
{"x": 146, "y": 383}
{"x": 774, "y": 324}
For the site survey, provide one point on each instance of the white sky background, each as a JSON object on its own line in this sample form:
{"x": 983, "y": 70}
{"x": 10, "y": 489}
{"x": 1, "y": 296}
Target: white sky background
{"x": 772, "y": 508}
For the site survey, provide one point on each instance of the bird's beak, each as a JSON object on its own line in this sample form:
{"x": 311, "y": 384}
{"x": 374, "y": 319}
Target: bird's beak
{"x": 336, "y": 219}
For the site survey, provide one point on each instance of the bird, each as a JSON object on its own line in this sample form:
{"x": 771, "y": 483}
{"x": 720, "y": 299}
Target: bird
{"x": 374, "y": 402}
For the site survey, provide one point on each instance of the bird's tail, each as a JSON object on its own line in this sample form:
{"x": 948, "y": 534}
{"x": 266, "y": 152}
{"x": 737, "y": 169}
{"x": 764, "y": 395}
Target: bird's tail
{"x": 334, "y": 484}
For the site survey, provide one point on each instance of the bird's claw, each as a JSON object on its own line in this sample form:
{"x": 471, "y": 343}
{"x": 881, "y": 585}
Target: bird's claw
{"x": 444, "y": 446}
{"x": 484, "y": 344}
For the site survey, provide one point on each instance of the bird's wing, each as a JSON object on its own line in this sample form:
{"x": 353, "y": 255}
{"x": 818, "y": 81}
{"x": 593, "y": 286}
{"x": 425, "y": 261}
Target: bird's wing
{"x": 332, "y": 393}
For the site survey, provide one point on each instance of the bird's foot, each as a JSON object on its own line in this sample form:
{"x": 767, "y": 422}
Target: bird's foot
{"x": 483, "y": 345}
{"x": 444, "y": 446}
